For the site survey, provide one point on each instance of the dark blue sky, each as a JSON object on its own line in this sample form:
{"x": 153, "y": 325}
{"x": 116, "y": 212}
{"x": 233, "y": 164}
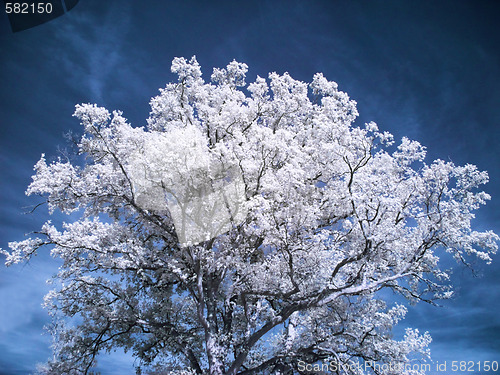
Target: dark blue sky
{"x": 425, "y": 69}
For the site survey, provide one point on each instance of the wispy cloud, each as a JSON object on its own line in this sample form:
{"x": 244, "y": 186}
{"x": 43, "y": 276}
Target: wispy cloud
{"x": 91, "y": 48}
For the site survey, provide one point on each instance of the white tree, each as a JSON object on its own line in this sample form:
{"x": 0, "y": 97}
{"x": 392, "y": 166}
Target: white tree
{"x": 292, "y": 220}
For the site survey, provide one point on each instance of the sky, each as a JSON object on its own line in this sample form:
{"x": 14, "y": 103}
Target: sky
{"x": 423, "y": 69}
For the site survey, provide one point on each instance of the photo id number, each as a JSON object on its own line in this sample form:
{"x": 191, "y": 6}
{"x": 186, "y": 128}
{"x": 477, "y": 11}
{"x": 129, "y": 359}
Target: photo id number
{"x": 26, "y": 8}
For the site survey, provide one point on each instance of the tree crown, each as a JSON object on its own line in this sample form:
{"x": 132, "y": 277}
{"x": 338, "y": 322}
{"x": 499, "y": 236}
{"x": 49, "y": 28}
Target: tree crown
{"x": 246, "y": 230}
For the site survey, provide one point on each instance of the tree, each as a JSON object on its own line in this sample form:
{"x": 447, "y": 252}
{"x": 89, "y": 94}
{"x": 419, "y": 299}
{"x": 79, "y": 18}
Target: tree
{"x": 248, "y": 231}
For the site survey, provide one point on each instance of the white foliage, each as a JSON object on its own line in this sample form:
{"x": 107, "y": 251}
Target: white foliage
{"x": 247, "y": 225}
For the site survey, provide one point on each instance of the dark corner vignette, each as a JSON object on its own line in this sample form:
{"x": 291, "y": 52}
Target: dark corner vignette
{"x": 24, "y": 15}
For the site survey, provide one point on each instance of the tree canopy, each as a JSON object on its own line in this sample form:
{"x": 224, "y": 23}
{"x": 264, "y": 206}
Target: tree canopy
{"x": 247, "y": 229}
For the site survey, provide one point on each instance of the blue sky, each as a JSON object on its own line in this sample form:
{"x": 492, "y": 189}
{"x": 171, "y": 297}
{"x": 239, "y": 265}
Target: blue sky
{"x": 427, "y": 70}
